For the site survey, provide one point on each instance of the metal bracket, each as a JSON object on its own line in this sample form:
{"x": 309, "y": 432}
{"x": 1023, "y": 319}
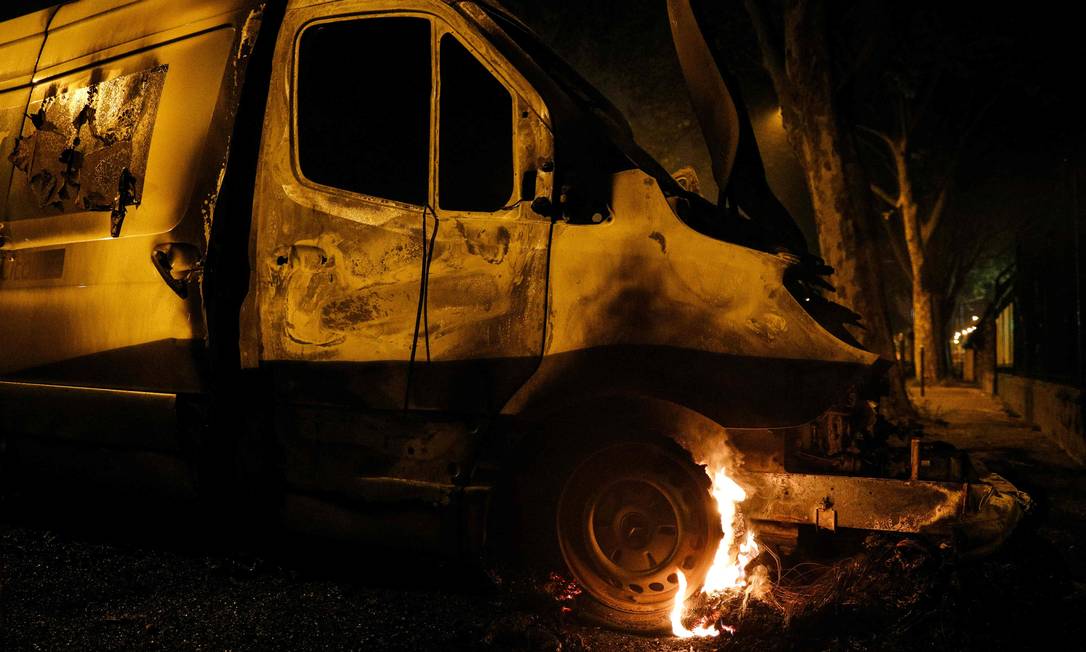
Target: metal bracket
{"x": 126, "y": 196}
{"x": 826, "y": 518}
{"x": 177, "y": 263}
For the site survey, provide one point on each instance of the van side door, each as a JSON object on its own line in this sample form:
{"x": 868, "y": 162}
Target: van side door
{"x": 339, "y": 204}
{"x": 385, "y": 253}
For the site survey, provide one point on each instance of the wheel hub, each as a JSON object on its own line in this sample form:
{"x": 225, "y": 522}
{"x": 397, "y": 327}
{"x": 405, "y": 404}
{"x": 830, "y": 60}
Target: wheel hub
{"x": 633, "y": 527}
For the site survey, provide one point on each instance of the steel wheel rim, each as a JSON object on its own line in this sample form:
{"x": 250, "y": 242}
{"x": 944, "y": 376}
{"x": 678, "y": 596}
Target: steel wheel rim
{"x": 629, "y": 517}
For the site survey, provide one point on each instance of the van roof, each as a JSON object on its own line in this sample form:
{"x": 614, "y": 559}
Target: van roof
{"x": 81, "y": 29}
{"x": 20, "y": 43}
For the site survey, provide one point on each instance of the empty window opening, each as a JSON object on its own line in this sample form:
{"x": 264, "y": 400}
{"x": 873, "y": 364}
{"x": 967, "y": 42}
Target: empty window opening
{"x": 475, "y": 161}
{"x": 363, "y": 106}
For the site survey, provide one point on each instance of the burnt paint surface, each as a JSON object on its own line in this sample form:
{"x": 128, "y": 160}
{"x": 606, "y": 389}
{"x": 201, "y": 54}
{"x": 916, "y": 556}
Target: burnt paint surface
{"x": 384, "y": 290}
{"x": 367, "y": 308}
{"x": 148, "y": 87}
{"x": 353, "y": 296}
{"x": 643, "y": 305}
{"x": 99, "y": 347}
{"x": 484, "y": 313}
{"x": 76, "y": 144}
{"x": 339, "y": 282}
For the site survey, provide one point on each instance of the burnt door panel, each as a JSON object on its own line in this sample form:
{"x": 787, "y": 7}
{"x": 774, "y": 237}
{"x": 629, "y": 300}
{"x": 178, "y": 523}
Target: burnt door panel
{"x": 483, "y": 318}
{"x": 339, "y": 209}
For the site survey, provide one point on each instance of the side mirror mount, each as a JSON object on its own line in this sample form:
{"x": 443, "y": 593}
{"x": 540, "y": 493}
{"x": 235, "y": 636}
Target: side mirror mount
{"x": 543, "y": 206}
{"x": 536, "y": 187}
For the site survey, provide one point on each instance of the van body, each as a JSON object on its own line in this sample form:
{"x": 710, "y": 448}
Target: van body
{"x": 389, "y": 252}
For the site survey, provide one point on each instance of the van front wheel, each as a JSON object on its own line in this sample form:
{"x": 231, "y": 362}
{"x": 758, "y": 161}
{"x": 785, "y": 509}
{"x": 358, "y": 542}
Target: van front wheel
{"x": 629, "y": 518}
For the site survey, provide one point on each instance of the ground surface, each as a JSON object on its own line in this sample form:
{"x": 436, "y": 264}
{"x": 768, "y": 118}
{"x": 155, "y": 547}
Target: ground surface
{"x": 147, "y": 583}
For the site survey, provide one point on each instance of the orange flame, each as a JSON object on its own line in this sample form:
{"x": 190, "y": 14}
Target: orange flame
{"x": 728, "y": 572}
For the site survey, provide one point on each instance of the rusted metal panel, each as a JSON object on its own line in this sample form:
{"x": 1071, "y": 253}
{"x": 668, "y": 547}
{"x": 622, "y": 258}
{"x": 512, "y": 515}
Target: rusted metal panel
{"x": 854, "y": 502}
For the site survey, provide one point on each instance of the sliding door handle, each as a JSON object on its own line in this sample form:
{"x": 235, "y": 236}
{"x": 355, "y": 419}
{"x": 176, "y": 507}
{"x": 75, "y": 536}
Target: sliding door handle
{"x": 177, "y": 263}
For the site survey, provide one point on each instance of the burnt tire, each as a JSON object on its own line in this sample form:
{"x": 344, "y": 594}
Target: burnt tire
{"x": 629, "y": 516}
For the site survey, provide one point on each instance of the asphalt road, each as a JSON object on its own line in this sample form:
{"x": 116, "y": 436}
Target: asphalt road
{"x": 151, "y": 577}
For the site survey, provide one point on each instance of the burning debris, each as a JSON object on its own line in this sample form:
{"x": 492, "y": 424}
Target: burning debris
{"x": 728, "y": 574}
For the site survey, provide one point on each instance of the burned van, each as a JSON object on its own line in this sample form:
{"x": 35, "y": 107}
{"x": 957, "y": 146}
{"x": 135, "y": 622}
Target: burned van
{"x": 383, "y": 265}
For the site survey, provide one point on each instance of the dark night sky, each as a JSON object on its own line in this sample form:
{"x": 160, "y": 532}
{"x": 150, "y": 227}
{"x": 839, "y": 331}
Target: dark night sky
{"x": 624, "y": 48}
{"x": 1029, "y": 59}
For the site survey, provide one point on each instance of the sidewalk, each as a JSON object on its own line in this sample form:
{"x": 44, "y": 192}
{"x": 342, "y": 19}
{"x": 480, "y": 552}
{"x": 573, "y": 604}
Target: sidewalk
{"x": 972, "y": 420}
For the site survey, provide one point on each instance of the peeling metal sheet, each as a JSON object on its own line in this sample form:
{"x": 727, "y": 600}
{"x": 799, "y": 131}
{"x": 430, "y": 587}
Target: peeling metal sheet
{"x": 77, "y": 144}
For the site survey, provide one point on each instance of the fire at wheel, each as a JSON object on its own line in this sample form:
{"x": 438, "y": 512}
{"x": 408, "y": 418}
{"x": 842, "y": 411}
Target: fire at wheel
{"x": 630, "y": 518}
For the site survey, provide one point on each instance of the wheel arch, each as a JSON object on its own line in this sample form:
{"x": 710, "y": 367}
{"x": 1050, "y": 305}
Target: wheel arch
{"x": 596, "y": 420}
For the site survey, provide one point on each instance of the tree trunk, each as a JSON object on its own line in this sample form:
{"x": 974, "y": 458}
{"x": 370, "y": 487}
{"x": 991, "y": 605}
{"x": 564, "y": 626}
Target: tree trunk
{"x": 927, "y": 322}
{"x": 927, "y": 334}
{"x": 827, "y": 153}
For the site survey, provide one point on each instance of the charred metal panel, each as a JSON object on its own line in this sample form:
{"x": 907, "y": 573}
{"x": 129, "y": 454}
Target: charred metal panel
{"x": 177, "y": 366}
{"x": 12, "y": 109}
{"x": 338, "y": 275}
{"x": 484, "y": 312}
{"x": 485, "y": 297}
{"x": 20, "y": 43}
{"x": 32, "y": 265}
{"x": 108, "y": 296}
{"x": 80, "y": 309}
{"x": 644, "y": 302}
{"x": 93, "y": 31}
{"x": 77, "y": 145}
{"x": 337, "y": 289}
{"x": 854, "y": 502}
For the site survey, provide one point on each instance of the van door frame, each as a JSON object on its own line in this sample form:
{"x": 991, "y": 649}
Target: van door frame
{"x": 412, "y": 458}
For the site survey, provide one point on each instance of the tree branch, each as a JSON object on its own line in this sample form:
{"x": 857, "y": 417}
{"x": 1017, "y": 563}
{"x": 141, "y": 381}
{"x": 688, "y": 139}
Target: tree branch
{"x": 935, "y": 216}
{"x": 881, "y": 135}
{"x": 894, "y": 202}
{"x": 882, "y": 157}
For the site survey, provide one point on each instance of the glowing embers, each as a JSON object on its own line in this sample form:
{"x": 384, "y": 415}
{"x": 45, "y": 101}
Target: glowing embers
{"x": 728, "y": 572}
